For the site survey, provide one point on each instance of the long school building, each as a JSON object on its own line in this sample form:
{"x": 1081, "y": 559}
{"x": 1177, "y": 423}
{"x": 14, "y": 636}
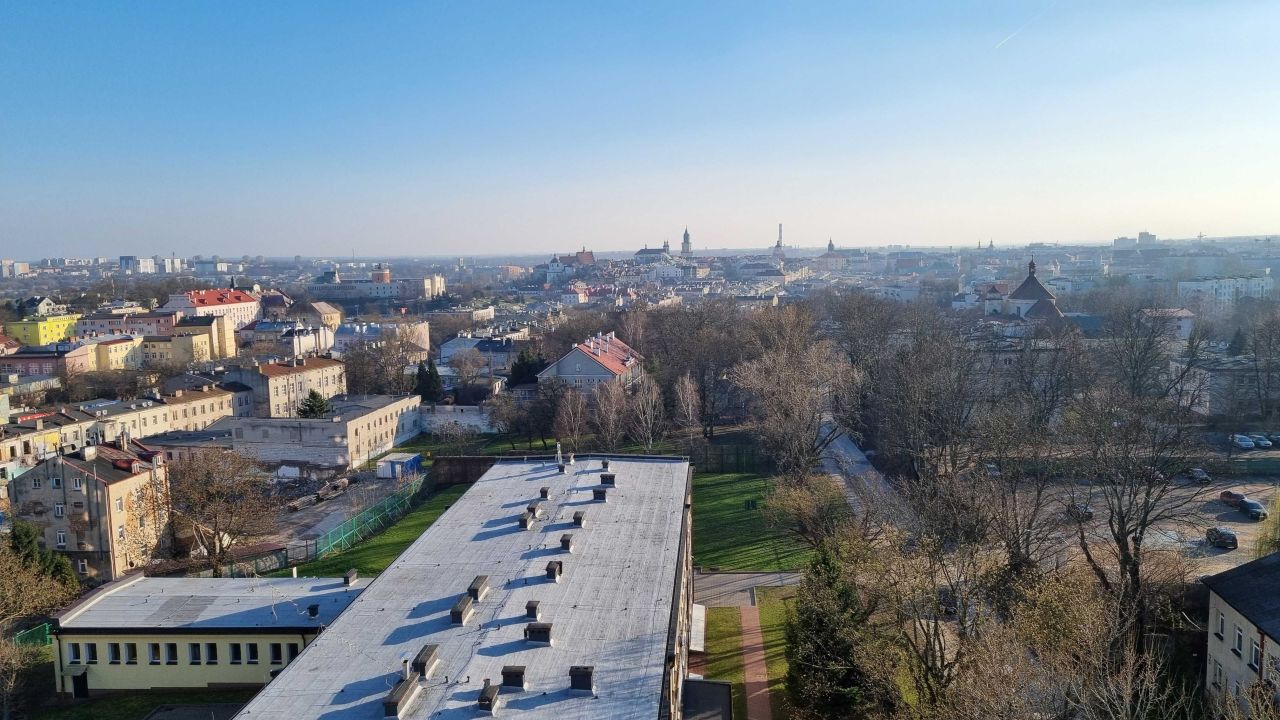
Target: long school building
{"x": 543, "y": 593}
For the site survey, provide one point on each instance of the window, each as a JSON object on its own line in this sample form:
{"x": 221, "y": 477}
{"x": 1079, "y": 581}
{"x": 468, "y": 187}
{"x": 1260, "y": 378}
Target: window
{"x": 1255, "y": 656}
{"x": 35, "y": 483}
{"x": 113, "y": 653}
{"x": 1222, "y": 625}
{"x": 236, "y": 653}
{"x": 62, "y": 538}
{"x": 73, "y": 654}
{"x": 82, "y": 567}
{"x": 55, "y": 483}
{"x": 120, "y": 532}
{"x": 119, "y": 504}
{"x": 171, "y": 653}
{"x": 59, "y": 509}
{"x": 77, "y": 483}
{"x": 153, "y": 653}
{"x": 91, "y": 653}
{"x": 277, "y": 656}
{"x": 251, "y": 653}
{"x": 293, "y": 651}
{"x": 131, "y": 653}
{"x": 1238, "y": 648}
{"x": 1217, "y": 674}
{"x": 193, "y": 653}
{"x": 211, "y": 653}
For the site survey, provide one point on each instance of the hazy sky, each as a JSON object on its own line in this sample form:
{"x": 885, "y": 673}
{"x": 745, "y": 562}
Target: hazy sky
{"x": 471, "y": 127}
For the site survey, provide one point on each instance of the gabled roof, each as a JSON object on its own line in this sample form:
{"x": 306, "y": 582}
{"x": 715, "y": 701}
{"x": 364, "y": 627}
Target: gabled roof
{"x": 209, "y": 298}
{"x": 607, "y": 350}
{"x": 1031, "y": 288}
{"x": 1044, "y": 309}
{"x": 1250, "y": 590}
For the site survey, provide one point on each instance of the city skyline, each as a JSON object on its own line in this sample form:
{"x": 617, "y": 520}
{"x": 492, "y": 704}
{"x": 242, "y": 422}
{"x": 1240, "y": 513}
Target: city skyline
{"x": 416, "y": 130}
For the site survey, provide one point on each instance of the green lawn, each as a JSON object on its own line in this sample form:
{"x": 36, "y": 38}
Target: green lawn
{"x": 774, "y": 603}
{"x": 137, "y": 705}
{"x": 374, "y": 554}
{"x": 728, "y": 536}
{"x": 724, "y": 653}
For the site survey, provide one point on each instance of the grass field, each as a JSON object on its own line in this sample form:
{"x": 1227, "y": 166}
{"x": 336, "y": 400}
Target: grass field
{"x": 374, "y": 554}
{"x": 137, "y": 705}
{"x": 724, "y": 653}
{"x": 774, "y": 603}
{"x": 729, "y": 536}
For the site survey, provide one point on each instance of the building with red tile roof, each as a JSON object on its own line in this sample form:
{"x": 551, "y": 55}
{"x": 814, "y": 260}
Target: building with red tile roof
{"x": 238, "y": 306}
{"x": 598, "y": 359}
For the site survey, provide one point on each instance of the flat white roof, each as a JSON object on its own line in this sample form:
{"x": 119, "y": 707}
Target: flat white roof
{"x": 146, "y": 604}
{"x": 611, "y": 608}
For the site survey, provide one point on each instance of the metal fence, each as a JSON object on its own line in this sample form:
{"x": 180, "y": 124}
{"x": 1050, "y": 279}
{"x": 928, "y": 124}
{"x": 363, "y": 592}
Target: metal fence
{"x": 730, "y": 459}
{"x": 34, "y": 637}
{"x": 371, "y": 520}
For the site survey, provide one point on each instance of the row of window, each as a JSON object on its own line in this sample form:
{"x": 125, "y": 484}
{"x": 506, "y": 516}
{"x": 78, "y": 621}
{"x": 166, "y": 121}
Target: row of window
{"x": 167, "y": 653}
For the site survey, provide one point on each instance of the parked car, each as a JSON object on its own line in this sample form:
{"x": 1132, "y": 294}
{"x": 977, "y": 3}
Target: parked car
{"x": 1080, "y": 511}
{"x": 1232, "y": 498}
{"x": 1260, "y": 440}
{"x": 993, "y": 470}
{"x": 1253, "y": 509}
{"x": 1221, "y": 537}
{"x": 1200, "y": 476}
{"x": 1242, "y": 442}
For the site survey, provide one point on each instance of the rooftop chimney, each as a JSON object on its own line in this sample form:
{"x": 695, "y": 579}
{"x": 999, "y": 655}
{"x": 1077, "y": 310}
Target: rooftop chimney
{"x": 610, "y": 479}
{"x": 479, "y": 588}
{"x": 513, "y": 676}
{"x": 600, "y": 494}
{"x": 581, "y": 678}
{"x": 580, "y": 518}
{"x": 544, "y": 492}
{"x": 400, "y": 697}
{"x": 461, "y": 610}
{"x": 604, "y": 464}
{"x": 526, "y": 520}
{"x": 426, "y": 660}
{"x": 538, "y": 633}
{"x": 531, "y": 610}
{"x": 350, "y": 577}
{"x": 555, "y": 569}
{"x": 490, "y": 700}
{"x": 566, "y": 542}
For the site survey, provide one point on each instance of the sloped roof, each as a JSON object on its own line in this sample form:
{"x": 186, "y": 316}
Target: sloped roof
{"x": 278, "y": 370}
{"x": 201, "y": 298}
{"x": 1031, "y": 288}
{"x": 1044, "y": 309}
{"x": 1250, "y": 590}
{"x": 607, "y": 350}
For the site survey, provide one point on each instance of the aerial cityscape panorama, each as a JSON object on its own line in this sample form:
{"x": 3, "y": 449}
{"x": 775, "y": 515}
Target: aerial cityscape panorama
{"x": 712, "y": 361}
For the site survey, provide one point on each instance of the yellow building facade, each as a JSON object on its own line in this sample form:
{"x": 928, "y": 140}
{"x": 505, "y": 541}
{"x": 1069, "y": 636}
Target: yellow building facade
{"x": 184, "y": 633}
{"x": 42, "y": 331}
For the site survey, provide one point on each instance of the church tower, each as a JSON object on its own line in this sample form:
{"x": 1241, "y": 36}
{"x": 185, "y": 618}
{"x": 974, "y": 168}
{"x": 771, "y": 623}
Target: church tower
{"x": 831, "y": 245}
{"x": 686, "y": 246}
{"x": 666, "y": 247}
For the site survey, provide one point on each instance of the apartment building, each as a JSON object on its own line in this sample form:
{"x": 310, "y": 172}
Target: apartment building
{"x": 56, "y": 359}
{"x": 231, "y": 632}
{"x": 318, "y": 313}
{"x": 241, "y": 308}
{"x": 1220, "y": 294}
{"x": 360, "y": 428}
{"x": 1244, "y": 628}
{"x": 280, "y": 387}
{"x": 104, "y": 507}
{"x": 179, "y": 350}
{"x": 127, "y": 323}
{"x": 43, "y": 330}
{"x": 218, "y": 329}
{"x": 116, "y": 352}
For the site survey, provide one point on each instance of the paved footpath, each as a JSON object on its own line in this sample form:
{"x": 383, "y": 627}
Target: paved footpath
{"x": 730, "y": 589}
{"x": 754, "y": 667}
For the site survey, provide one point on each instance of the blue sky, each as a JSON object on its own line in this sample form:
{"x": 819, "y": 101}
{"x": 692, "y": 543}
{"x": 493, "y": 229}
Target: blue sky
{"x": 484, "y": 127}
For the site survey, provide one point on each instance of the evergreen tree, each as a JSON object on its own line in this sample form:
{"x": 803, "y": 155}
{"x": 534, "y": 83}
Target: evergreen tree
{"x": 1238, "y": 343}
{"x": 314, "y": 406}
{"x": 526, "y": 367}
{"x": 429, "y": 385}
{"x": 24, "y": 542}
{"x": 421, "y": 381}
{"x": 833, "y": 663}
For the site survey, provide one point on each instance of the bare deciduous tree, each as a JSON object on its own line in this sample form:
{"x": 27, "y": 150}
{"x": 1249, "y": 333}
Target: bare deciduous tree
{"x": 223, "y": 499}
{"x": 24, "y": 592}
{"x": 646, "y": 414}
{"x": 609, "y": 419}
{"x": 571, "y": 419}
{"x": 467, "y": 365}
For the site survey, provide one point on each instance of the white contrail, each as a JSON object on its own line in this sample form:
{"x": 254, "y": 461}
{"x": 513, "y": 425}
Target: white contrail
{"x": 1024, "y": 26}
